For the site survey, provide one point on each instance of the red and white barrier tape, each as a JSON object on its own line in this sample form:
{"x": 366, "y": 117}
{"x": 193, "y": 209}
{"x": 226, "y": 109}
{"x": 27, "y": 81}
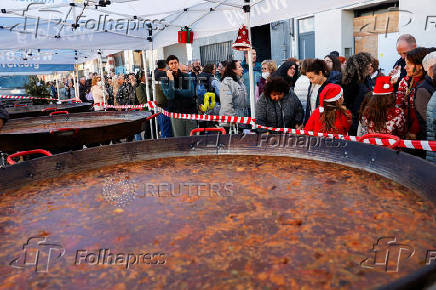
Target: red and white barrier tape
{"x": 412, "y": 144}
{"x": 32, "y": 98}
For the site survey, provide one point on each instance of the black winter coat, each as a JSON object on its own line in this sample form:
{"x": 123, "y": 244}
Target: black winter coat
{"x": 286, "y": 113}
{"x": 354, "y": 94}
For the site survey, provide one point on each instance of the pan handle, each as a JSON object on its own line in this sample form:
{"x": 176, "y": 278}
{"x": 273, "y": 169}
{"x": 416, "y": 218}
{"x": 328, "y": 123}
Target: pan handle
{"x": 59, "y": 130}
{"x": 153, "y": 116}
{"x": 24, "y": 153}
{"x": 50, "y": 109}
{"x": 58, "y": 112}
{"x": 382, "y": 136}
{"x": 20, "y": 105}
{"x": 76, "y": 101}
{"x": 198, "y": 130}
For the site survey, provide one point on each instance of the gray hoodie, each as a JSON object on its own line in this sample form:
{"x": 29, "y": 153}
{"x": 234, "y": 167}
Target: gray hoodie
{"x": 233, "y": 96}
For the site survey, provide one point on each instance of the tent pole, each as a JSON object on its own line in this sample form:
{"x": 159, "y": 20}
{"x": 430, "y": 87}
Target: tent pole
{"x": 153, "y": 82}
{"x": 103, "y": 81}
{"x": 250, "y": 59}
{"x": 57, "y": 87}
{"x": 78, "y": 84}
{"x": 76, "y": 94}
{"x": 147, "y": 88}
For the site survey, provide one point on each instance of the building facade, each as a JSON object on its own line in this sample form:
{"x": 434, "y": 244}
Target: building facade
{"x": 371, "y": 26}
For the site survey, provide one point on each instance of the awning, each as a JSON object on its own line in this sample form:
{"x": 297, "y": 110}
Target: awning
{"x": 123, "y": 24}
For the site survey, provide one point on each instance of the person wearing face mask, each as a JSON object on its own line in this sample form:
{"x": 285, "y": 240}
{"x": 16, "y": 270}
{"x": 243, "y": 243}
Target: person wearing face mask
{"x": 268, "y": 68}
{"x": 407, "y": 89}
{"x": 278, "y": 107}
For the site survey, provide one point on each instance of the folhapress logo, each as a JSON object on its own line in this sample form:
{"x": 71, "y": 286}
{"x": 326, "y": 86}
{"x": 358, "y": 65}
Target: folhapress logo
{"x": 387, "y": 255}
{"x": 38, "y": 253}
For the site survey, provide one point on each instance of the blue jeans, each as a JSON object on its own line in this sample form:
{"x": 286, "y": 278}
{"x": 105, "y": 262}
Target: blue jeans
{"x": 166, "y": 129}
{"x": 138, "y": 137}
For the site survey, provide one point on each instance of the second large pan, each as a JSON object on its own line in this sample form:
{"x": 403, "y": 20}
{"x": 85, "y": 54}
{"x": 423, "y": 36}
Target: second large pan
{"x": 62, "y": 130}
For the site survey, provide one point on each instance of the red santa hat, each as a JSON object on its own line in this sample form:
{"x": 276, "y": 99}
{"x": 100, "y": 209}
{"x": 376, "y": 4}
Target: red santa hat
{"x": 383, "y": 86}
{"x": 331, "y": 93}
{"x": 242, "y": 42}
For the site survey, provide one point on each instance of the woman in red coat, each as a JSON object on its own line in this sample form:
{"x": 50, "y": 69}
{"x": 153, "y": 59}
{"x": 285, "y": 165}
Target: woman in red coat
{"x": 332, "y": 116}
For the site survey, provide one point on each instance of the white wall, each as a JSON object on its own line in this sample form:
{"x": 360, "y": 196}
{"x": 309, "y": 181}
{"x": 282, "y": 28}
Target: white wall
{"x": 387, "y": 53}
{"x": 347, "y": 18}
{"x": 179, "y": 50}
{"x": 328, "y": 32}
{"x": 333, "y": 31}
{"x": 417, "y": 11}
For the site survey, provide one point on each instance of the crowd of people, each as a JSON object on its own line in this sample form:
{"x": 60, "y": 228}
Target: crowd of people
{"x": 330, "y": 95}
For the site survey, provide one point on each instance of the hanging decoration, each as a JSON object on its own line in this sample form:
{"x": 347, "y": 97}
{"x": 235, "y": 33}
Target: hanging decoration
{"x": 242, "y": 42}
{"x": 186, "y": 35}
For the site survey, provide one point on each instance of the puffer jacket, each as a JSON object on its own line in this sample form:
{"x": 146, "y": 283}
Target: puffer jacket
{"x": 301, "y": 88}
{"x": 286, "y": 113}
{"x": 431, "y": 126}
{"x": 233, "y": 97}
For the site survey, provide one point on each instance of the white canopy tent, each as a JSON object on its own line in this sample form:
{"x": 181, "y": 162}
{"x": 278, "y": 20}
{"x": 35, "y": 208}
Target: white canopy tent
{"x": 123, "y": 24}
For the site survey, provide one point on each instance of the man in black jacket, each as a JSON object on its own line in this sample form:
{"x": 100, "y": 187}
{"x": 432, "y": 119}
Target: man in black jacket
{"x": 179, "y": 91}
{"x": 82, "y": 89}
{"x": 4, "y": 116}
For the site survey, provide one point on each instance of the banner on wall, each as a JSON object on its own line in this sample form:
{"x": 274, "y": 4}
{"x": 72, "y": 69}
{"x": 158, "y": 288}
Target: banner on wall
{"x": 33, "y": 69}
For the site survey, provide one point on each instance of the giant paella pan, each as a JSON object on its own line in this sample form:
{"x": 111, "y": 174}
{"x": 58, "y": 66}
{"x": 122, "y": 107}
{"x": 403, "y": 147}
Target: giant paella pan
{"x": 220, "y": 211}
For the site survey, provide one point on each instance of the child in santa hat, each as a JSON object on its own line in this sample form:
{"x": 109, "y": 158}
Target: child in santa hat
{"x": 380, "y": 114}
{"x": 332, "y": 116}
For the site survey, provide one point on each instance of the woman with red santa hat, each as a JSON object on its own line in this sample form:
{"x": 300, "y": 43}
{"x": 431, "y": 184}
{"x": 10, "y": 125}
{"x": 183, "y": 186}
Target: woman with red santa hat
{"x": 380, "y": 115}
{"x": 332, "y": 116}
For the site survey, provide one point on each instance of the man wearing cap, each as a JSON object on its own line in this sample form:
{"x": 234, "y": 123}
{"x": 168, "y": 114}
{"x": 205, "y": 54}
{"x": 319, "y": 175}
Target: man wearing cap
{"x": 380, "y": 115}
